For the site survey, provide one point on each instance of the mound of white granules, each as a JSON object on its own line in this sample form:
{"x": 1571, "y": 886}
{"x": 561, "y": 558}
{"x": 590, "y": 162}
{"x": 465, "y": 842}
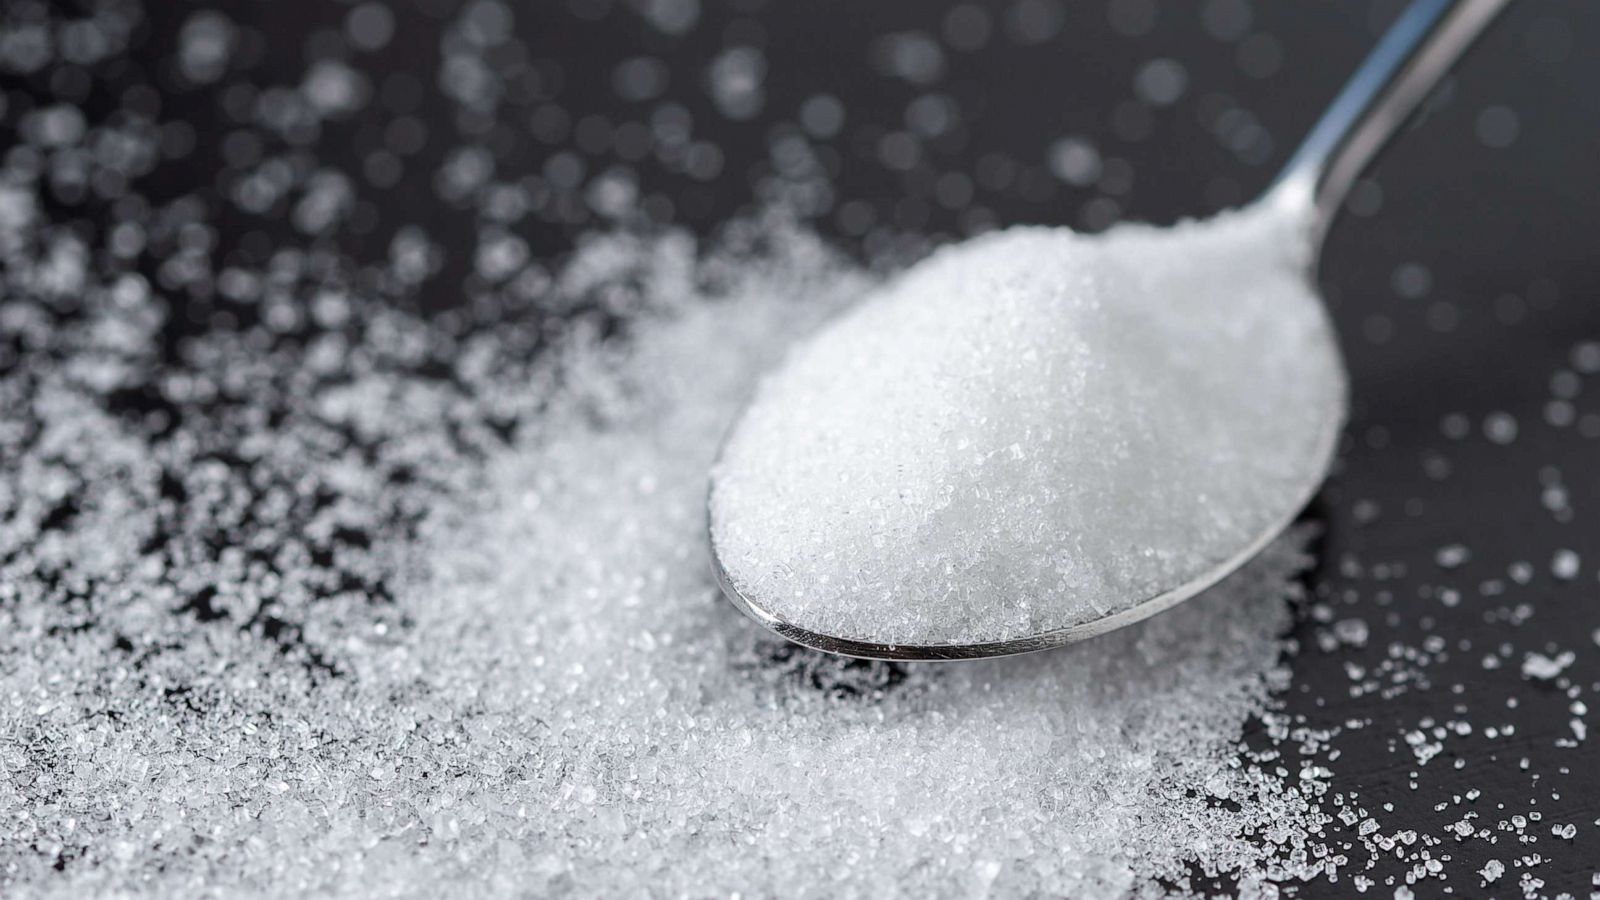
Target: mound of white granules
{"x": 1033, "y": 430}
{"x": 556, "y": 701}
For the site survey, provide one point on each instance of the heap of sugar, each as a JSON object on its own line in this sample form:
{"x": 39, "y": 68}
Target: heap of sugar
{"x": 1033, "y": 430}
{"x": 305, "y": 593}
{"x": 538, "y": 690}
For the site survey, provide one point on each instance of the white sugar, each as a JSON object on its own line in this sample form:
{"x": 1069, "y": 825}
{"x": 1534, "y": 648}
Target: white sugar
{"x": 559, "y": 702}
{"x": 1033, "y": 430}
{"x": 1544, "y": 668}
{"x": 679, "y": 745}
{"x": 1566, "y": 564}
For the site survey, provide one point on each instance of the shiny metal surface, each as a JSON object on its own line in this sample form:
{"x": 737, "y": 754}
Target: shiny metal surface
{"x": 1408, "y": 62}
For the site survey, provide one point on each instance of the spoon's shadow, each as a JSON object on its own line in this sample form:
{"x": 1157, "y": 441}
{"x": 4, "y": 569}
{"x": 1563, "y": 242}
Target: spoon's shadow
{"x": 801, "y": 669}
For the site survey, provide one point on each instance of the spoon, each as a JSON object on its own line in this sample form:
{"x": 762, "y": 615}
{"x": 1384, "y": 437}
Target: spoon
{"x": 1407, "y": 63}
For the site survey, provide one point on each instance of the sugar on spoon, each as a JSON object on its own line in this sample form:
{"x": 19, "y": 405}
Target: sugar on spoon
{"x": 1035, "y": 437}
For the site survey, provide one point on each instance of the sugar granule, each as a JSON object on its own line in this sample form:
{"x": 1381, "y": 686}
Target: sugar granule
{"x": 1033, "y": 430}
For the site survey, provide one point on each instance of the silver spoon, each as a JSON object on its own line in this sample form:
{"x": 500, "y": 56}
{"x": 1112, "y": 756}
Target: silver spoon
{"x": 1406, "y": 64}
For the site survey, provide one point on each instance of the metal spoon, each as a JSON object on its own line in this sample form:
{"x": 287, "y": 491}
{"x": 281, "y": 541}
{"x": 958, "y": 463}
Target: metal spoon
{"x": 1406, "y": 64}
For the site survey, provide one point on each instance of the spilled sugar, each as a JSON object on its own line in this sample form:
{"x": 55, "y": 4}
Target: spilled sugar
{"x": 320, "y": 597}
{"x": 682, "y": 751}
{"x": 1033, "y": 430}
{"x": 684, "y": 748}
{"x": 560, "y": 703}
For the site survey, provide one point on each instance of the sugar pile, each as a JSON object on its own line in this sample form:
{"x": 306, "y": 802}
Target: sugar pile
{"x": 679, "y": 749}
{"x": 1033, "y": 430}
{"x": 557, "y": 701}
{"x": 304, "y": 592}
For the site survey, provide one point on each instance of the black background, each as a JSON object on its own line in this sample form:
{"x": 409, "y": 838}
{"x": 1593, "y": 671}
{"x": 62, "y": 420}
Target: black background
{"x": 1507, "y": 235}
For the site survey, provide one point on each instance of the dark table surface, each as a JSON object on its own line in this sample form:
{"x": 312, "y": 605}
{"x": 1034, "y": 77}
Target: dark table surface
{"x": 1463, "y": 280}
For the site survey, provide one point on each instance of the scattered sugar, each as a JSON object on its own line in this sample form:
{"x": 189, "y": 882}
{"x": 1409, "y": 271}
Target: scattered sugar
{"x": 1566, "y": 564}
{"x": 1033, "y": 430}
{"x": 557, "y": 700}
{"x": 1544, "y": 668}
{"x": 1492, "y": 870}
{"x": 345, "y": 600}
{"x": 602, "y": 584}
{"x": 1500, "y": 427}
{"x": 1451, "y": 556}
{"x": 313, "y": 595}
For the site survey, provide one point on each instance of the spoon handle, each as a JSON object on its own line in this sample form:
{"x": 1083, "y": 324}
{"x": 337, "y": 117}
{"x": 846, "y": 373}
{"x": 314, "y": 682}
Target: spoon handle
{"x": 1412, "y": 57}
